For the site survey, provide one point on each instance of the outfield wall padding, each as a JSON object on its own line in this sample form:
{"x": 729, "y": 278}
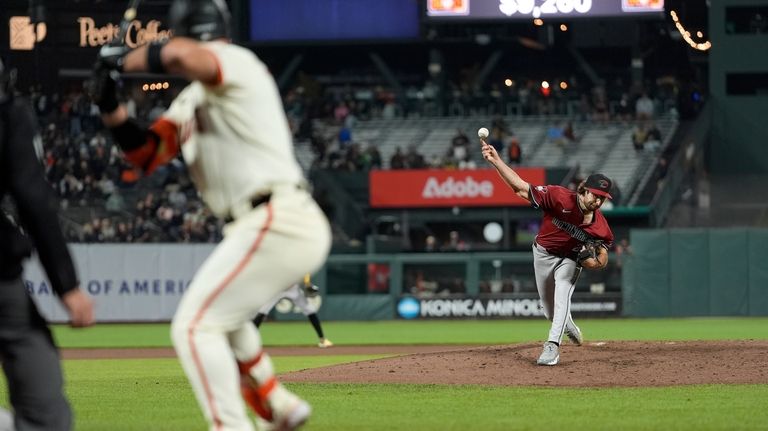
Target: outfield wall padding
{"x": 688, "y": 272}
{"x": 758, "y": 272}
{"x": 729, "y": 272}
{"x": 646, "y": 292}
{"x": 697, "y": 272}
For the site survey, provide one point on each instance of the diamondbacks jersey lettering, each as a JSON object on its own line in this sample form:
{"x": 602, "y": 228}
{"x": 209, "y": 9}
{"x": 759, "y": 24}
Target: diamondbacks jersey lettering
{"x": 236, "y": 125}
{"x": 561, "y": 203}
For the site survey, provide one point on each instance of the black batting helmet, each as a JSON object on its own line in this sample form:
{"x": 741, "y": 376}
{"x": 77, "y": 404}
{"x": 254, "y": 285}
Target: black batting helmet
{"x": 200, "y": 19}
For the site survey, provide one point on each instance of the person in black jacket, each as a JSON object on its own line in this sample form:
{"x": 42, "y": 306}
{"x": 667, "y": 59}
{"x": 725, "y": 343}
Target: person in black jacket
{"x": 29, "y": 356}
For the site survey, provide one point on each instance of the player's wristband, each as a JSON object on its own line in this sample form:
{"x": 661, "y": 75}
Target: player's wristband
{"x": 154, "y": 62}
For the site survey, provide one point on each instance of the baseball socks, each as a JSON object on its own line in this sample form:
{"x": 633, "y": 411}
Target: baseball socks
{"x": 268, "y": 397}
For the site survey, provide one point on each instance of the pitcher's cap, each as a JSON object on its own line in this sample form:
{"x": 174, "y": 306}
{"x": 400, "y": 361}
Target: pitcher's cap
{"x": 599, "y": 184}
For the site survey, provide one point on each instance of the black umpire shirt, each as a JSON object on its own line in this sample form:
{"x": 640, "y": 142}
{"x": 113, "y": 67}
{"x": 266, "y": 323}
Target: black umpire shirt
{"x": 22, "y": 177}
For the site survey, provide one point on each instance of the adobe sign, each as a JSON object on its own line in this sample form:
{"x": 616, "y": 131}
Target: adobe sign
{"x": 446, "y": 188}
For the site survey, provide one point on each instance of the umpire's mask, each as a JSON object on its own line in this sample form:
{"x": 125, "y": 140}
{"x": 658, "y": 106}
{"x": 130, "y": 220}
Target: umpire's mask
{"x": 200, "y": 19}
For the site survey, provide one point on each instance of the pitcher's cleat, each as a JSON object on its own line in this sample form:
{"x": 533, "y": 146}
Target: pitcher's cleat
{"x": 574, "y": 334}
{"x": 550, "y": 355}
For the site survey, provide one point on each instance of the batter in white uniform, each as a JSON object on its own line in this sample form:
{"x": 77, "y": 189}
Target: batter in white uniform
{"x": 230, "y": 125}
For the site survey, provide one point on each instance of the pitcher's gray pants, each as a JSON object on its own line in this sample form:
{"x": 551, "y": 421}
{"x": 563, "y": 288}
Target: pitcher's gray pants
{"x": 555, "y": 281}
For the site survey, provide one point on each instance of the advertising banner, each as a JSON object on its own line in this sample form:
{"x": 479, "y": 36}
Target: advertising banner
{"x": 428, "y": 188}
{"x": 74, "y": 25}
{"x": 128, "y": 282}
{"x": 409, "y": 307}
{"x": 65, "y": 44}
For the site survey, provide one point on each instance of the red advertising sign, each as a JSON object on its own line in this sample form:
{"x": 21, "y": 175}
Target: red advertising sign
{"x": 446, "y": 188}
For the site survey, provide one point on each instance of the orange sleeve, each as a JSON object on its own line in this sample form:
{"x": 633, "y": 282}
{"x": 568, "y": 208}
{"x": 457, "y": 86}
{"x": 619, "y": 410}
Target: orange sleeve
{"x": 161, "y": 147}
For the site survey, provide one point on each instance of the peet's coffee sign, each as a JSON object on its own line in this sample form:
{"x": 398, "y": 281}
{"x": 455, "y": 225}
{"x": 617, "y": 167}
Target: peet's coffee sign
{"x": 138, "y": 34}
{"x": 24, "y": 35}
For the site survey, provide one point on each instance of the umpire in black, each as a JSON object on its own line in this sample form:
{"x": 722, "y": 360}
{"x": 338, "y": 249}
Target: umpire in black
{"x": 29, "y": 356}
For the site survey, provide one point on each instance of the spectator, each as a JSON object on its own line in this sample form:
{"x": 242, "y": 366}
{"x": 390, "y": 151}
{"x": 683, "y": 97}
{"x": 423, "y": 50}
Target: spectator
{"x": 123, "y": 233}
{"x": 88, "y": 234}
{"x": 319, "y": 146}
{"x": 639, "y": 137}
{"x": 624, "y": 110}
{"x": 555, "y": 135}
{"x": 398, "y": 159}
{"x": 107, "y": 230}
{"x": 389, "y": 111}
{"x": 460, "y": 139}
{"x": 585, "y": 108}
{"x": 458, "y": 153}
{"x": 455, "y": 243}
{"x": 345, "y": 137}
{"x": 568, "y": 133}
{"x": 654, "y": 134}
{"x": 496, "y": 140}
{"x": 372, "y": 157}
{"x": 600, "y": 112}
{"x": 499, "y": 123}
{"x": 430, "y": 244}
{"x": 340, "y": 112}
{"x": 644, "y": 107}
{"x": 115, "y": 202}
{"x": 514, "y": 152}
{"x": 653, "y": 138}
{"x": 414, "y": 160}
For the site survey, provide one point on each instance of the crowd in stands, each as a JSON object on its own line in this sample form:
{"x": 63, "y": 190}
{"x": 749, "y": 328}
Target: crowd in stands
{"x": 331, "y": 130}
{"x": 88, "y": 171}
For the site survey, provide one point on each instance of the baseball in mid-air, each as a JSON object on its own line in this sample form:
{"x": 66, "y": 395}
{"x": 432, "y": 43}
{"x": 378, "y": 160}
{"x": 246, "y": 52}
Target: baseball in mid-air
{"x": 482, "y": 133}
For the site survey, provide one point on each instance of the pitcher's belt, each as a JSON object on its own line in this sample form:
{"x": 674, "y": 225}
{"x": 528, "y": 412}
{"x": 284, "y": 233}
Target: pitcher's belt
{"x": 560, "y": 255}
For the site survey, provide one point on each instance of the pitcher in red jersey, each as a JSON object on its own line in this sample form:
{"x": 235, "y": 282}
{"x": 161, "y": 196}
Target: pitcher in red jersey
{"x": 572, "y": 220}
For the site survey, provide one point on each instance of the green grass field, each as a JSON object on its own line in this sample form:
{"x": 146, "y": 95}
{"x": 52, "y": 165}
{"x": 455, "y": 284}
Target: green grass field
{"x": 152, "y": 394}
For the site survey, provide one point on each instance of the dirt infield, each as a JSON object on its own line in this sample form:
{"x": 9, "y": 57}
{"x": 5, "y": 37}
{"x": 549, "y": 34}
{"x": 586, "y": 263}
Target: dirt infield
{"x": 596, "y": 364}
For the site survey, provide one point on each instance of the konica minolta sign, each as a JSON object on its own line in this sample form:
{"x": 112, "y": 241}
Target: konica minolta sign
{"x": 409, "y": 307}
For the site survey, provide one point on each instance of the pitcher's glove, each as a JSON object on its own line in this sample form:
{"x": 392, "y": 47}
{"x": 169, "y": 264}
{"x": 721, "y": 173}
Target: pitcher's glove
{"x": 311, "y": 291}
{"x": 588, "y": 257}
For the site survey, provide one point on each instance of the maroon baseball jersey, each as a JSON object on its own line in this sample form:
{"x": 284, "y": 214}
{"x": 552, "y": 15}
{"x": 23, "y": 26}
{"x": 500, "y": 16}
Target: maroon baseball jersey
{"x": 560, "y": 202}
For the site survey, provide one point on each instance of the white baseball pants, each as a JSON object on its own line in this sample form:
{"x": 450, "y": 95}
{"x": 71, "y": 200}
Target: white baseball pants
{"x": 263, "y": 252}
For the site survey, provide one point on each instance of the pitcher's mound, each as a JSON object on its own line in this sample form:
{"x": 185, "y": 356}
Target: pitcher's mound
{"x": 609, "y": 363}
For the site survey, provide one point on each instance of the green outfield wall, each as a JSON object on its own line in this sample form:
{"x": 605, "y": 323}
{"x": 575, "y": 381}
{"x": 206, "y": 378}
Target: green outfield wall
{"x": 668, "y": 273}
{"x": 696, "y": 272}
{"x": 677, "y": 272}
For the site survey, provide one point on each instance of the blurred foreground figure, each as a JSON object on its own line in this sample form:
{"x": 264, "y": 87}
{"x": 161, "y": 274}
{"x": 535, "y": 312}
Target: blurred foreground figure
{"x": 27, "y": 351}
{"x": 231, "y": 128}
